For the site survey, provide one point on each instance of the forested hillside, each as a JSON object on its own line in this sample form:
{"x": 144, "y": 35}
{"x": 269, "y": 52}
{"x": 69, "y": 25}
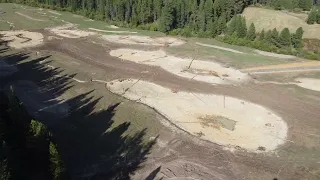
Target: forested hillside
{"x": 189, "y": 17}
{"x": 202, "y": 18}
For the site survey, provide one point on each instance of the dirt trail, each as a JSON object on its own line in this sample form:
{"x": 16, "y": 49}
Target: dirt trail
{"x": 219, "y": 47}
{"x": 281, "y": 56}
{"x": 281, "y": 68}
{"x": 144, "y": 40}
{"x": 54, "y": 12}
{"x": 29, "y": 17}
{"x": 70, "y": 30}
{"x": 119, "y": 32}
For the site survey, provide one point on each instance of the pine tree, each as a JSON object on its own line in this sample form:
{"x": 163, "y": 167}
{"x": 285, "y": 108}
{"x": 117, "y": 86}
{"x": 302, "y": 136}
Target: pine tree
{"x": 268, "y": 36}
{"x": 157, "y": 5}
{"x": 208, "y": 8}
{"x": 305, "y": 4}
{"x": 295, "y": 3}
{"x": 166, "y": 19}
{"x": 318, "y": 14}
{"x": 209, "y": 26}
{"x": 275, "y": 36}
{"x": 202, "y": 16}
{"x": 251, "y": 35}
{"x": 232, "y": 26}
{"x": 261, "y": 35}
{"x": 241, "y": 28}
{"x": 285, "y": 37}
{"x": 222, "y": 24}
{"x": 17, "y": 115}
{"x": 277, "y": 4}
{"x": 297, "y": 38}
{"x": 299, "y": 33}
{"x": 202, "y": 21}
{"x": 215, "y": 25}
{"x": 312, "y": 17}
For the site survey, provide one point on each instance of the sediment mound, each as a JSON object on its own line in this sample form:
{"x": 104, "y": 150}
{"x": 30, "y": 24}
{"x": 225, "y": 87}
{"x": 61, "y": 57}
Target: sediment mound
{"x": 70, "y": 31}
{"x": 205, "y": 71}
{"x": 220, "y": 119}
{"x": 22, "y": 39}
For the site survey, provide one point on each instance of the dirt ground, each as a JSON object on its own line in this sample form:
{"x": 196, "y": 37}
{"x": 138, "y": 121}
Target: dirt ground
{"x": 178, "y": 154}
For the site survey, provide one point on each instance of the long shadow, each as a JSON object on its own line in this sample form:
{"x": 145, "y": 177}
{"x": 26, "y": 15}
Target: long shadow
{"x": 153, "y": 174}
{"x": 90, "y": 144}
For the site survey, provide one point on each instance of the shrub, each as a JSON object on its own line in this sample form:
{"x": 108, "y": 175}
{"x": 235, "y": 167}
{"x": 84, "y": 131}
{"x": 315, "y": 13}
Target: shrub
{"x": 153, "y": 27}
{"x": 186, "y": 32}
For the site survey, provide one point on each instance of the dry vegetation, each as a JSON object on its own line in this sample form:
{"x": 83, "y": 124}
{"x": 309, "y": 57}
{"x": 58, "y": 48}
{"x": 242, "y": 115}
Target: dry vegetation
{"x": 269, "y": 19}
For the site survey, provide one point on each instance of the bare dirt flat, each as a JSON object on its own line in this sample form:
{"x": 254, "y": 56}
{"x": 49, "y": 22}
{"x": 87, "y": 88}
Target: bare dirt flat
{"x": 101, "y": 132}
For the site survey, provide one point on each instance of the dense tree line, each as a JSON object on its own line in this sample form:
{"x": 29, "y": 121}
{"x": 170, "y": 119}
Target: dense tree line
{"x": 186, "y": 17}
{"x": 284, "y": 42}
{"x": 27, "y": 150}
{"x": 237, "y": 29}
{"x": 194, "y": 16}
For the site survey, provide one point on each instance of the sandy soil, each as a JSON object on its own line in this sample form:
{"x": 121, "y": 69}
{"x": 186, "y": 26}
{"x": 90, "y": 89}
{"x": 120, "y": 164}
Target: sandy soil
{"x": 6, "y": 69}
{"x": 255, "y": 126}
{"x": 69, "y": 31}
{"x": 22, "y": 39}
{"x": 282, "y": 56}
{"x": 29, "y": 17}
{"x": 54, "y": 12}
{"x": 221, "y": 48}
{"x": 309, "y": 83}
{"x": 119, "y": 32}
{"x": 144, "y": 40}
{"x": 205, "y": 71}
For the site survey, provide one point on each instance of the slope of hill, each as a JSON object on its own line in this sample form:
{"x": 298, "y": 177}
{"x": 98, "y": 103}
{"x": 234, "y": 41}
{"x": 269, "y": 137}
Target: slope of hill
{"x": 269, "y": 19}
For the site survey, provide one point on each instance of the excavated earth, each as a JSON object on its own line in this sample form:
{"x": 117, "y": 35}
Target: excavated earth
{"x": 181, "y": 155}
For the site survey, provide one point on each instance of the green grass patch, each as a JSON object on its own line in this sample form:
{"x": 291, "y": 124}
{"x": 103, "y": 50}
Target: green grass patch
{"x": 21, "y": 22}
{"x": 248, "y": 59}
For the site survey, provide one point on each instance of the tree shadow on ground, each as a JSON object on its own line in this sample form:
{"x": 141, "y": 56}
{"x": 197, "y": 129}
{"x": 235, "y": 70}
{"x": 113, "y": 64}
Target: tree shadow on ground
{"x": 89, "y": 142}
{"x": 153, "y": 174}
